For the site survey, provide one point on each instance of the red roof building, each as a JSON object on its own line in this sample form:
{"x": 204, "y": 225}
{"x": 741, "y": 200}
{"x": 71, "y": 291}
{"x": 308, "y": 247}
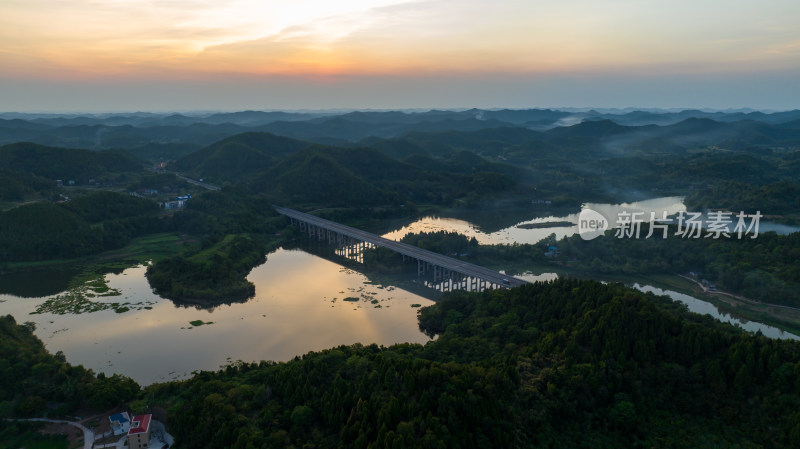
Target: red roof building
{"x": 139, "y": 433}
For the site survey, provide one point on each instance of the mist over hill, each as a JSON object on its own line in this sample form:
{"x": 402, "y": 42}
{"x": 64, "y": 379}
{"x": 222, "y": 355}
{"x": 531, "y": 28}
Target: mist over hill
{"x": 136, "y": 130}
{"x": 440, "y": 156}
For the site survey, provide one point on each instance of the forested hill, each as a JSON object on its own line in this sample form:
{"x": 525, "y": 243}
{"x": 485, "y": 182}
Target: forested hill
{"x": 34, "y": 382}
{"x": 330, "y": 176}
{"x": 238, "y": 157}
{"x": 138, "y": 131}
{"x": 65, "y": 163}
{"x": 44, "y": 230}
{"x": 558, "y": 365}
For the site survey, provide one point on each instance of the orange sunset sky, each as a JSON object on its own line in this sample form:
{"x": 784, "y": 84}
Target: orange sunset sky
{"x": 122, "y": 55}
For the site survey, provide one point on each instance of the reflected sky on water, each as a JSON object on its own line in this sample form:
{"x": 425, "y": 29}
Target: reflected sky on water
{"x": 521, "y": 231}
{"x": 299, "y": 306}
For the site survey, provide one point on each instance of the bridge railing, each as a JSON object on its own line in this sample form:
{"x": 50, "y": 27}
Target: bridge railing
{"x": 447, "y": 273}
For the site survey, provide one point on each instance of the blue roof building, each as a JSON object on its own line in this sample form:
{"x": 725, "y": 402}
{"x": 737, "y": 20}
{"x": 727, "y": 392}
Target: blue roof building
{"x": 120, "y": 423}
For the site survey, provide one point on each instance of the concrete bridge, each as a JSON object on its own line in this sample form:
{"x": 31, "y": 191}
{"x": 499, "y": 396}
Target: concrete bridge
{"x": 448, "y": 273}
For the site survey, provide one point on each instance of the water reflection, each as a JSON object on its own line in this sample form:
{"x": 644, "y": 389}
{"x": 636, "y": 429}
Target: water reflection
{"x": 693, "y": 304}
{"x": 536, "y": 228}
{"x": 299, "y": 306}
{"x": 543, "y": 277}
{"x": 707, "y": 308}
{"x": 32, "y": 284}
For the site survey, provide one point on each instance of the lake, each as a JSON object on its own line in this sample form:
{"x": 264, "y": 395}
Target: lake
{"x": 530, "y": 224}
{"x": 299, "y": 306}
{"x": 303, "y": 303}
{"x": 520, "y": 232}
{"x": 706, "y": 308}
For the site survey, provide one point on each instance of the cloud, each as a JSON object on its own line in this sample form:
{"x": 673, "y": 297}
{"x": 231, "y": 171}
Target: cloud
{"x": 190, "y": 38}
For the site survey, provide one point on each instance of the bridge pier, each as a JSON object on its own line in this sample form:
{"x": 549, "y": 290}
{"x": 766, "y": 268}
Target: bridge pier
{"x": 447, "y": 273}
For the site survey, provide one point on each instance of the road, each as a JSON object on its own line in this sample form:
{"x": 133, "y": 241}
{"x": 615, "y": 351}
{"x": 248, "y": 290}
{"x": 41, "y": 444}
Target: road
{"x": 88, "y": 435}
{"x": 737, "y": 297}
{"x": 437, "y": 259}
{"x": 158, "y": 437}
{"x": 196, "y": 182}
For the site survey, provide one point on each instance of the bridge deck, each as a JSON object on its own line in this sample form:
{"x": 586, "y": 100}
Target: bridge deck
{"x": 437, "y": 259}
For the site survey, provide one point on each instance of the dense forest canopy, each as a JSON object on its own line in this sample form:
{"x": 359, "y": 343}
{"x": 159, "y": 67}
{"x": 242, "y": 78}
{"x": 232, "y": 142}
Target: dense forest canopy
{"x": 33, "y": 381}
{"x": 562, "y": 364}
{"x": 65, "y": 163}
{"x": 44, "y": 230}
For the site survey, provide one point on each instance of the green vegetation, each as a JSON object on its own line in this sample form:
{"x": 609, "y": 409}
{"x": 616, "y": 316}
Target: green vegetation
{"x": 551, "y": 224}
{"x": 86, "y": 298}
{"x": 213, "y": 275}
{"x": 102, "y": 206}
{"x": 197, "y": 323}
{"x": 443, "y": 242}
{"x": 239, "y": 157}
{"x": 382, "y": 260}
{"x": 164, "y": 182}
{"x": 603, "y": 161}
{"x": 17, "y": 186}
{"x": 78, "y": 299}
{"x": 766, "y": 268}
{"x": 316, "y": 176}
{"x": 780, "y": 198}
{"x": 238, "y": 231}
{"x": 150, "y": 247}
{"x": 43, "y": 231}
{"x": 20, "y": 434}
{"x": 444, "y": 159}
{"x": 235, "y": 230}
{"x": 562, "y": 364}
{"x": 50, "y": 277}
{"x": 35, "y": 383}
{"x": 363, "y": 177}
{"x": 84, "y": 226}
{"x": 764, "y": 271}
{"x": 66, "y": 163}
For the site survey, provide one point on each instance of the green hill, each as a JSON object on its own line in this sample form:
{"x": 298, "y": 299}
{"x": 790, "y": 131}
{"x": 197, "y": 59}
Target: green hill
{"x": 16, "y": 185}
{"x": 359, "y": 177}
{"x": 85, "y": 225}
{"x": 42, "y": 231}
{"x": 65, "y": 163}
{"x": 564, "y": 364}
{"x": 316, "y": 176}
{"x": 238, "y": 157}
{"x": 31, "y": 379}
{"x": 102, "y": 205}
{"x": 489, "y": 142}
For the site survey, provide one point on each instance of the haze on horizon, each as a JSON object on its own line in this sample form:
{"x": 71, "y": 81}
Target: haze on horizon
{"x": 125, "y": 55}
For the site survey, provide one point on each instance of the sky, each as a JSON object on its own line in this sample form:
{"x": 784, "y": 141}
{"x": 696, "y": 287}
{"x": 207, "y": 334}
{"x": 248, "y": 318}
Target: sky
{"x": 187, "y": 55}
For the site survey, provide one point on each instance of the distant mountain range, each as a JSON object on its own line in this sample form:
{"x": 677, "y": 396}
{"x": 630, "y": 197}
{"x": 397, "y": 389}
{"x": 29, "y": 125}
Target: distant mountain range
{"x": 433, "y": 157}
{"x": 170, "y": 136}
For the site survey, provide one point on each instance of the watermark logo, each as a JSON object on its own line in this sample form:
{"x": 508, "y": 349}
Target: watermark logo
{"x": 716, "y": 224}
{"x": 591, "y": 224}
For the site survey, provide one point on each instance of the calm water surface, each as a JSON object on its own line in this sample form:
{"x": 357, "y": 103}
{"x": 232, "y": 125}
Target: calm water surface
{"x": 693, "y": 304}
{"x": 517, "y": 232}
{"x": 299, "y": 307}
{"x": 706, "y": 308}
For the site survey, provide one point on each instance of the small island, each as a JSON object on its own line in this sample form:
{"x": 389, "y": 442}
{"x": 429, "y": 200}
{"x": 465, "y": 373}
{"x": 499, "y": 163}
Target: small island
{"x": 549, "y": 224}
